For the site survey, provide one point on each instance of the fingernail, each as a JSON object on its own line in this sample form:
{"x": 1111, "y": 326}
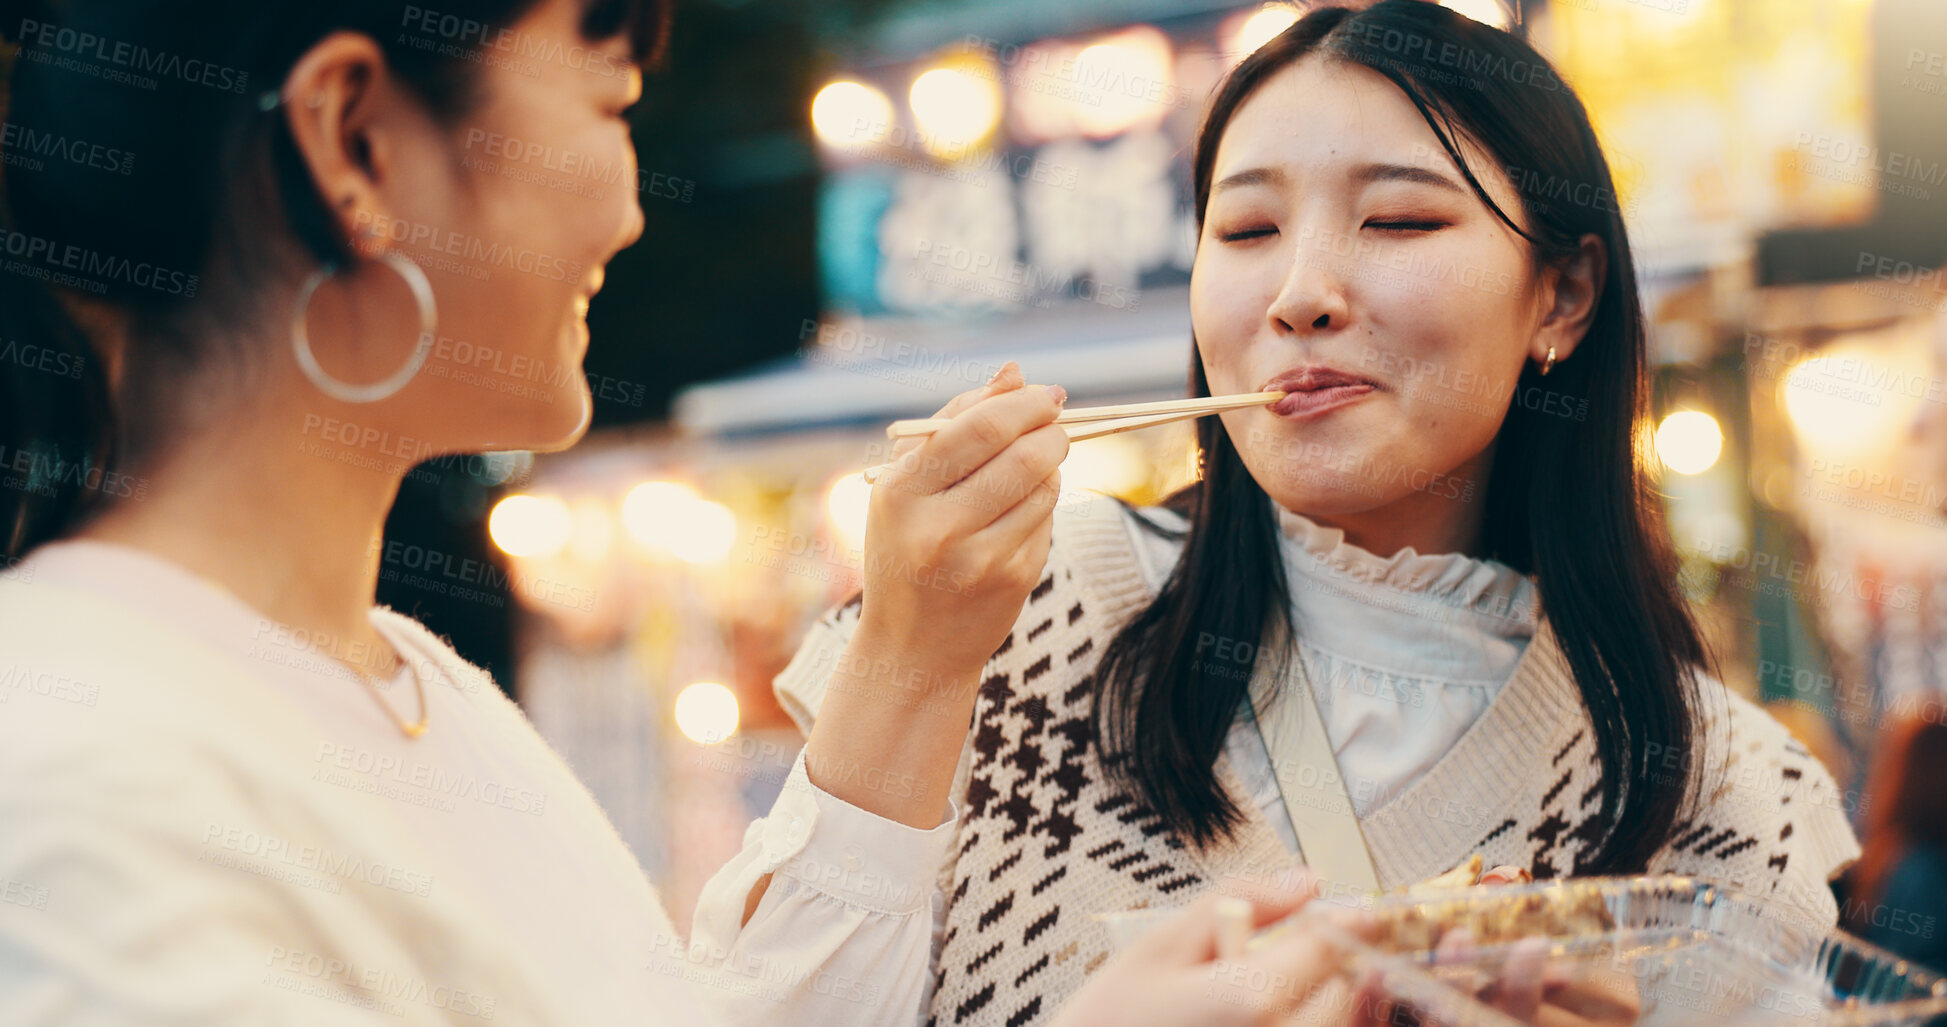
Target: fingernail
{"x": 1002, "y": 373}
{"x": 1060, "y": 394}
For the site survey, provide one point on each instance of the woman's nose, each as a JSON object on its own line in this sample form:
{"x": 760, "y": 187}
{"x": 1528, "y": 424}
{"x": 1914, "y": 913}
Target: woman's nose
{"x": 1312, "y": 295}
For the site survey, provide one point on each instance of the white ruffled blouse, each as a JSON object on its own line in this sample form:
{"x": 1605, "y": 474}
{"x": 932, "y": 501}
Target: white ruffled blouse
{"x": 1405, "y": 652}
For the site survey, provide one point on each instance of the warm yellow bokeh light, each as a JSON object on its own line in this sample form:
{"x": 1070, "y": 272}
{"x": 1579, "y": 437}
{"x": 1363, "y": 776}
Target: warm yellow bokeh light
{"x": 1112, "y": 464}
{"x": 955, "y": 109}
{"x": 669, "y": 518}
{"x": 1137, "y": 75}
{"x": 1851, "y": 401}
{"x": 1262, "y": 26}
{"x": 524, "y": 525}
{"x": 705, "y": 534}
{"x": 593, "y": 530}
{"x": 847, "y": 503}
{"x": 648, "y": 511}
{"x": 1689, "y": 441}
{"x": 1487, "y": 12}
{"x": 707, "y": 713}
{"x": 846, "y": 114}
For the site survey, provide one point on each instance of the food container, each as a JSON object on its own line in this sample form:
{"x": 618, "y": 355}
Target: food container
{"x": 1687, "y": 952}
{"x": 1671, "y": 951}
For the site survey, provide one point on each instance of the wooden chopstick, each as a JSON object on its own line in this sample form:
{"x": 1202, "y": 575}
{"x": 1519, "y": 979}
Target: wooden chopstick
{"x": 1195, "y": 406}
{"x": 1096, "y": 429}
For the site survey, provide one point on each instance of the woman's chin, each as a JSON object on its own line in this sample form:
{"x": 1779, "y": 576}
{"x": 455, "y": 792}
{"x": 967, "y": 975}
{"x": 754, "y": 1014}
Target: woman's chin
{"x": 544, "y": 426}
{"x": 562, "y": 432}
{"x": 1317, "y": 492}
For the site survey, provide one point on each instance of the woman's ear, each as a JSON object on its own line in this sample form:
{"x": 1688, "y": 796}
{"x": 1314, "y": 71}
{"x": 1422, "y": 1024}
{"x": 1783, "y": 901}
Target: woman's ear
{"x": 1572, "y": 289}
{"x": 337, "y": 101}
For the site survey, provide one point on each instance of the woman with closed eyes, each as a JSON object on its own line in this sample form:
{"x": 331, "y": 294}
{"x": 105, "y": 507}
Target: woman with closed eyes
{"x": 1419, "y": 610}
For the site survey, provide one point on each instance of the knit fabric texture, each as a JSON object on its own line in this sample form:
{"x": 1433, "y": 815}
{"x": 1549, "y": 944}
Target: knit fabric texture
{"x": 1046, "y": 840}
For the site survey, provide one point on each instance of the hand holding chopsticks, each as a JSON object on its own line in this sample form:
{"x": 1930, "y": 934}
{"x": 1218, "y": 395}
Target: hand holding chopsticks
{"x": 1094, "y": 422}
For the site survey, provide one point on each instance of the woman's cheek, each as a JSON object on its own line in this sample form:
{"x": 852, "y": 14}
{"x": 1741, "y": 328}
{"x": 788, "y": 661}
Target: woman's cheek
{"x": 1223, "y": 318}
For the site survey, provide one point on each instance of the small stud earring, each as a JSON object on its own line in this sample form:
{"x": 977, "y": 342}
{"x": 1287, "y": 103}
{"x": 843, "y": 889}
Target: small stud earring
{"x": 1549, "y": 364}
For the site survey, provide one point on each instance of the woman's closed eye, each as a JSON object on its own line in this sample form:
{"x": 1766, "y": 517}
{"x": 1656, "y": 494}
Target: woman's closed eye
{"x": 1405, "y": 224}
{"x": 1247, "y": 234}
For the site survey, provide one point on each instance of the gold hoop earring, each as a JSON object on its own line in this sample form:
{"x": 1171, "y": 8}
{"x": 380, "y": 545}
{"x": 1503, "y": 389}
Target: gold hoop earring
{"x": 1549, "y": 364}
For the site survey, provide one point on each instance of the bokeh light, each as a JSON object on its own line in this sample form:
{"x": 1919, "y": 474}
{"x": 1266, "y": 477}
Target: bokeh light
{"x": 846, "y": 114}
{"x": 1258, "y": 28}
{"x": 1137, "y": 70}
{"x": 1111, "y": 464}
{"x": 1487, "y": 12}
{"x": 707, "y": 713}
{"x": 669, "y": 518}
{"x": 525, "y": 525}
{"x": 847, "y": 502}
{"x": 1836, "y": 412}
{"x": 1689, "y": 441}
{"x": 955, "y": 107}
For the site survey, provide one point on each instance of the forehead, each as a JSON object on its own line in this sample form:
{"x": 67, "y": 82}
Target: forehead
{"x": 1319, "y": 114}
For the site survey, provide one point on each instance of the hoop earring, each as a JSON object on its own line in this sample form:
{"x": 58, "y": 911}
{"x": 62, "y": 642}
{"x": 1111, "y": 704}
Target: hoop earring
{"x": 1549, "y": 364}
{"x": 422, "y": 296}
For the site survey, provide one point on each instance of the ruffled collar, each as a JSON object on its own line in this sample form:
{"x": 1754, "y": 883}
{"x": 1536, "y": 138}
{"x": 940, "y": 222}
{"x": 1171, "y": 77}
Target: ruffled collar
{"x": 1444, "y": 615}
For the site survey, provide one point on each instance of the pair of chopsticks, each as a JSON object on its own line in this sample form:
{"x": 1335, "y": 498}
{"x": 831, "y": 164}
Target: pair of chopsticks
{"x": 1095, "y": 422}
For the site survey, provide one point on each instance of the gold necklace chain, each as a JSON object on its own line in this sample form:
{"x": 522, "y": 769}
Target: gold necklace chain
{"x": 418, "y": 686}
{"x": 371, "y": 683}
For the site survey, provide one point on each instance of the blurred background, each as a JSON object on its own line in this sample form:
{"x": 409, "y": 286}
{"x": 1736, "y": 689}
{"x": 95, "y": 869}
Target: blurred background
{"x": 857, "y": 209}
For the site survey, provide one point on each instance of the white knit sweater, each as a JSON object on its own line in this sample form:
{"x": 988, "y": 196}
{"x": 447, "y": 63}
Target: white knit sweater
{"x": 1046, "y": 841}
{"x": 206, "y": 820}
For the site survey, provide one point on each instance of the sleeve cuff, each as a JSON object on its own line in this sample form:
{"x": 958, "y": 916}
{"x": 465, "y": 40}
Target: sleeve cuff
{"x": 800, "y": 687}
{"x": 831, "y": 846}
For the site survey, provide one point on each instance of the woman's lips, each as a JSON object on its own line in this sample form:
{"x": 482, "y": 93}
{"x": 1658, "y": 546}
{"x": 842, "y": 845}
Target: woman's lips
{"x": 1311, "y": 402}
{"x": 1316, "y": 389}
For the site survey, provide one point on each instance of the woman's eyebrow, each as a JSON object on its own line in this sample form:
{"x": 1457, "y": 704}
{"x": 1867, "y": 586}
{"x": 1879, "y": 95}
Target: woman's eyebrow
{"x": 1363, "y": 174}
{"x": 1368, "y": 173}
{"x": 1251, "y": 176}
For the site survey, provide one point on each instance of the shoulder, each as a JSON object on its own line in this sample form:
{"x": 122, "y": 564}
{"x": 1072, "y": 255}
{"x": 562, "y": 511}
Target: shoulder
{"x": 1115, "y": 552}
{"x": 1754, "y": 763}
{"x": 1769, "y": 818}
{"x": 83, "y": 675}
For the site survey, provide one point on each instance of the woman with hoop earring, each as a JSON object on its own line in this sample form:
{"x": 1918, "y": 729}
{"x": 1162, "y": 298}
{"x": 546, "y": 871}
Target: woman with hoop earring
{"x": 235, "y": 792}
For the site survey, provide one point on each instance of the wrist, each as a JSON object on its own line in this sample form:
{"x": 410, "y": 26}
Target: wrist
{"x": 907, "y": 661}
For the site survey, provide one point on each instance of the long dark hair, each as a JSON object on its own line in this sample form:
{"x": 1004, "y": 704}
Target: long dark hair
{"x": 151, "y": 225}
{"x": 1567, "y": 500}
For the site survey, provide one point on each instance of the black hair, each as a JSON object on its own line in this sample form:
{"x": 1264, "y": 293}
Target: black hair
{"x": 176, "y": 167}
{"x": 1568, "y": 501}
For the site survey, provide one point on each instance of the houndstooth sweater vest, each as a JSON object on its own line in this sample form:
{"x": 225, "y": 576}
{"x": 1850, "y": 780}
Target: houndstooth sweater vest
{"x": 1045, "y": 841}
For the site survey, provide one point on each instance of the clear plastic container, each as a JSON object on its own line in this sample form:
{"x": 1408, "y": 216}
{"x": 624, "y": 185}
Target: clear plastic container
{"x": 1685, "y": 952}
